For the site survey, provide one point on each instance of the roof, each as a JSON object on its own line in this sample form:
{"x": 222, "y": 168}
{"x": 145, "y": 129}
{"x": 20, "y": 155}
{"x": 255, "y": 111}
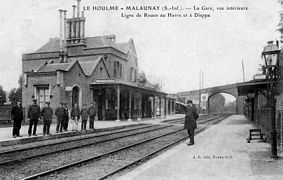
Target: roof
{"x": 91, "y": 42}
{"x": 124, "y": 47}
{"x": 150, "y": 85}
{"x": 251, "y": 87}
{"x": 52, "y": 45}
{"x": 56, "y": 66}
{"x": 113, "y": 83}
{"x": 89, "y": 66}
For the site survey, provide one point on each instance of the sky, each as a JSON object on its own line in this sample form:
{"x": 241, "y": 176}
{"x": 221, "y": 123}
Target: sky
{"x": 170, "y": 50}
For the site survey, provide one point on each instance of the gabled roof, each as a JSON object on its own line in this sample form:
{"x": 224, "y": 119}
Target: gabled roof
{"x": 56, "y": 66}
{"x": 91, "y": 42}
{"x": 124, "y": 47}
{"x": 87, "y": 65}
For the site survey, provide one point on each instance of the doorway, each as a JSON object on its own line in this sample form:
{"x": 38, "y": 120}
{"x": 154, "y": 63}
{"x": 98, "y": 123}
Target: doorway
{"x": 76, "y": 96}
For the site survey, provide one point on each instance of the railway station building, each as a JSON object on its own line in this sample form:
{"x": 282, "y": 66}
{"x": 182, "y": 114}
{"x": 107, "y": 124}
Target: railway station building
{"x": 76, "y": 69}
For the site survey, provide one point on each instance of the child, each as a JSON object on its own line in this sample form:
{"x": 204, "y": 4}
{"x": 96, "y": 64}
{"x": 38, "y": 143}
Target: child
{"x": 75, "y": 115}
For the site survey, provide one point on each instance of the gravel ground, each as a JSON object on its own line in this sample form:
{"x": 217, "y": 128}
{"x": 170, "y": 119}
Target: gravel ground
{"x": 61, "y": 144}
{"x": 38, "y": 164}
{"x": 63, "y": 139}
{"x": 95, "y": 169}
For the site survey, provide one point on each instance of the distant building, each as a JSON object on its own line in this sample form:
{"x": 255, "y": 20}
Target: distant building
{"x": 80, "y": 70}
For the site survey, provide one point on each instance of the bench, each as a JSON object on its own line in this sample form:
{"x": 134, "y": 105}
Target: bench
{"x": 256, "y": 134}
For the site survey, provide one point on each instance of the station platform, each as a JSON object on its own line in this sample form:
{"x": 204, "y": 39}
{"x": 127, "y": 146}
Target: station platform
{"x": 6, "y": 138}
{"x": 221, "y": 152}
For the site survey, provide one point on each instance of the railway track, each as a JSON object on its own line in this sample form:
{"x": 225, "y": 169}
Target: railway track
{"x": 201, "y": 120}
{"x": 14, "y": 155}
{"x": 151, "y": 146}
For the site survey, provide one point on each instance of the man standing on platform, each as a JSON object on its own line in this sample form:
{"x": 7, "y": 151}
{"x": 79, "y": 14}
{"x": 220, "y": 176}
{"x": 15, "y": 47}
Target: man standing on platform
{"x": 84, "y": 116}
{"x": 17, "y": 116}
{"x": 190, "y": 121}
{"x": 66, "y": 119}
{"x": 46, "y": 114}
{"x": 91, "y": 112}
{"x": 75, "y": 115}
{"x": 33, "y": 115}
{"x": 60, "y": 113}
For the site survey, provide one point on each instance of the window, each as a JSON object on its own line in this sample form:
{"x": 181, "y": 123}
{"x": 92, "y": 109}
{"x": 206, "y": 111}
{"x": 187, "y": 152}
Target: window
{"x": 43, "y": 96}
{"x": 100, "y": 73}
{"x": 118, "y": 70}
{"x": 133, "y": 74}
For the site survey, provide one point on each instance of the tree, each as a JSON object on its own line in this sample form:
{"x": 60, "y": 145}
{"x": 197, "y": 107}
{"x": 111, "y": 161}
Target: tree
{"x": 2, "y": 96}
{"x": 16, "y": 93}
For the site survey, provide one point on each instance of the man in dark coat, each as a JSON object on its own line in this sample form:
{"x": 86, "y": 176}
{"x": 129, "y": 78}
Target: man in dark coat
{"x": 66, "y": 119}
{"x": 84, "y": 116}
{"x": 61, "y": 115}
{"x": 33, "y": 115}
{"x": 47, "y": 114}
{"x": 91, "y": 113}
{"x": 17, "y": 115}
{"x": 190, "y": 120}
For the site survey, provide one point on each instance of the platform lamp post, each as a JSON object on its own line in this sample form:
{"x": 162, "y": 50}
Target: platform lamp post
{"x": 271, "y": 57}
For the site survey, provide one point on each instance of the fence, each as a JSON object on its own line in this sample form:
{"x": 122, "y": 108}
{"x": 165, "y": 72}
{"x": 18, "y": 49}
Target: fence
{"x": 279, "y": 125}
{"x": 5, "y": 114}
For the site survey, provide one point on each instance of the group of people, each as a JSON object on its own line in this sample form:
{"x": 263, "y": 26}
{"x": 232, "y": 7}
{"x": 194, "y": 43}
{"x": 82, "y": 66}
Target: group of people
{"x": 46, "y": 114}
{"x": 62, "y": 114}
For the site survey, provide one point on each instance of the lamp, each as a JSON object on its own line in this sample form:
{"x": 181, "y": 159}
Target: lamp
{"x": 271, "y": 57}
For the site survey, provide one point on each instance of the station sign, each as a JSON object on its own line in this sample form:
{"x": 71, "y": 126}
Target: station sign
{"x": 204, "y": 97}
{"x": 68, "y": 88}
{"x": 105, "y": 81}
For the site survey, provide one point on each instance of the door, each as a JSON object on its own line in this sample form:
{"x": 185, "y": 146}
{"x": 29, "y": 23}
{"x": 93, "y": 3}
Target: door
{"x": 99, "y": 105}
{"x": 75, "y": 96}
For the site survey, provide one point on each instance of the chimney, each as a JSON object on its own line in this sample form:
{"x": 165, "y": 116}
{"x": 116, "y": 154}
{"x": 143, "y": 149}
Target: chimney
{"x": 83, "y": 25}
{"x": 73, "y": 24}
{"x": 78, "y": 8}
{"x": 60, "y": 21}
{"x": 65, "y": 29}
{"x": 65, "y": 42}
{"x": 111, "y": 38}
{"x": 74, "y": 10}
{"x": 60, "y": 40}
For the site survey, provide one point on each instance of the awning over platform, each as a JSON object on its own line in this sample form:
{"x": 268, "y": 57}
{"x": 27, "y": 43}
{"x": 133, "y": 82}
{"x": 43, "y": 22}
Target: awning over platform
{"x": 251, "y": 87}
{"x": 141, "y": 88}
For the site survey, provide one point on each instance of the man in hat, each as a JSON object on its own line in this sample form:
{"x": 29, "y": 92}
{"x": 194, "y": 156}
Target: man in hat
{"x": 17, "y": 116}
{"x": 190, "y": 120}
{"x": 46, "y": 114}
{"x": 33, "y": 115}
{"x": 91, "y": 113}
{"x": 61, "y": 114}
{"x": 84, "y": 115}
